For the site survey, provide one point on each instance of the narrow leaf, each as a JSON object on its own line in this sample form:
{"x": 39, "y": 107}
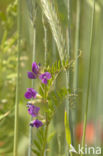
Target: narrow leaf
{"x": 51, "y": 136}
{"x": 37, "y": 144}
{"x": 36, "y": 152}
{"x": 67, "y": 129}
{"x": 4, "y": 115}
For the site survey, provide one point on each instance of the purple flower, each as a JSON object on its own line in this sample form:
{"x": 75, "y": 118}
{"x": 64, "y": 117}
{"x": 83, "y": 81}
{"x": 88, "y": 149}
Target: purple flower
{"x": 36, "y": 123}
{"x": 44, "y": 77}
{"x": 31, "y": 93}
{"x": 35, "y": 71}
{"x": 33, "y": 110}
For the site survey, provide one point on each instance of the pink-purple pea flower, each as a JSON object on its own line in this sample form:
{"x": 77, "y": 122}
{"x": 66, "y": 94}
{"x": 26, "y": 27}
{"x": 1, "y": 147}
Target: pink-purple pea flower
{"x": 31, "y": 93}
{"x": 45, "y": 77}
{"x": 33, "y": 110}
{"x": 36, "y": 123}
{"x": 35, "y": 71}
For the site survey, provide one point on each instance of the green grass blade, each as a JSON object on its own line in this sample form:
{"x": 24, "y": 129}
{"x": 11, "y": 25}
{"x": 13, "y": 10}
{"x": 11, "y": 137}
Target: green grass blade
{"x": 4, "y": 115}
{"x": 68, "y": 73}
{"x": 67, "y": 130}
{"x": 33, "y": 15}
{"x": 75, "y": 78}
{"x": 89, "y": 76}
{"x": 17, "y": 90}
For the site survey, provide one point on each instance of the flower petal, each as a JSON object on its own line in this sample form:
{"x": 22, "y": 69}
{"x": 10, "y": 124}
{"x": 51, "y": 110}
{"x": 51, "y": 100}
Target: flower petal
{"x": 48, "y": 75}
{"x": 36, "y": 123}
{"x": 33, "y": 92}
{"x": 33, "y": 110}
{"x": 44, "y": 81}
{"x": 35, "y": 68}
{"x": 28, "y": 95}
{"x": 31, "y": 75}
{"x": 41, "y": 76}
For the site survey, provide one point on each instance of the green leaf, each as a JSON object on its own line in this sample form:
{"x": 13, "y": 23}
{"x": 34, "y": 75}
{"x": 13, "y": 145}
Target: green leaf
{"x": 36, "y": 152}
{"x": 67, "y": 129}
{"x": 37, "y": 144}
{"x": 40, "y": 138}
{"x": 4, "y": 115}
{"x": 59, "y": 64}
{"x": 51, "y": 136}
{"x": 41, "y": 90}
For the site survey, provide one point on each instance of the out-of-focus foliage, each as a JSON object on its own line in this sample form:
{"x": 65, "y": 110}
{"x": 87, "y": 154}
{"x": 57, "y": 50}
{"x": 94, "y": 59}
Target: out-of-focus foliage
{"x": 57, "y": 145}
{"x": 8, "y": 61}
{"x": 8, "y": 53}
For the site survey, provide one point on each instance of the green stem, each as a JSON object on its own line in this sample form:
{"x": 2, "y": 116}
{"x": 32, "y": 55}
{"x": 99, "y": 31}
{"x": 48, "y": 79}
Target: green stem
{"x": 88, "y": 88}
{"x": 45, "y": 140}
{"x": 68, "y": 75}
{"x": 68, "y": 29}
{"x": 45, "y": 39}
{"x": 46, "y": 129}
{"x": 45, "y": 94}
{"x": 33, "y": 59}
{"x": 45, "y": 88}
{"x": 68, "y": 114}
{"x": 76, "y": 53}
{"x": 67, "y": 110}
{"x": 17, "y": 90}
{"x": 75, "y": 80}
{"x": 4, "y": 37}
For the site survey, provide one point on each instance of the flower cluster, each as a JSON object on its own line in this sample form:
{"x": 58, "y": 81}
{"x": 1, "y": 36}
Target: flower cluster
{"x": 31, "y": 93}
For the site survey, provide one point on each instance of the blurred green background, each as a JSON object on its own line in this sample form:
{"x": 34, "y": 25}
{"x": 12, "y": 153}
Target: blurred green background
{"x": 8, "y": 72}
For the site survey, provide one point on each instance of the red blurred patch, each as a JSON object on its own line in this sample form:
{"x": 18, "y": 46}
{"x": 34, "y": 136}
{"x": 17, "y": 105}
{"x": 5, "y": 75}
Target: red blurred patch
{"x": 1, "y": 143}
{"x": 90, "y": 133}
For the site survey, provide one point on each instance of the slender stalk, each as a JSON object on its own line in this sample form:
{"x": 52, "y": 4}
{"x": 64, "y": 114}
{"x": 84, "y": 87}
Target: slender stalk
{"x": 89, "y": 76}
{"x": 30, "y": 140}
{"x": 45, "y": 39}
{"x": 68, "y": 53}
{"x": 4, "y": 38}
{"x": 68, "y": 113}
{"x": 68, "y": 29}
{"x": 45, "y": 140}
{"x": 75, "y": 78}
{"x": 43, "y": 153}
{"x": 68, "y": 80}
{"x": 54, "y": 48}
{"x": 17, "y": 89}
{"x": 30, "y": 129}
{"x": 76, "y": 53}
{"x": 33, "y": 59}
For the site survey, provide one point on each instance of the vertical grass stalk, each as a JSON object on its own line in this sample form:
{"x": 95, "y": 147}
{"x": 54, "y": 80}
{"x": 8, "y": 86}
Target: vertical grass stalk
{"x": 45, "y": 39}
{"x": 89, "y": 76}
{"x": 33, "y": 59}
{"x": 43, "y": 152}
{"x": 67, "y": 109}
{"x": 76, "y": 54}
{"x": 45, "y": 94}
{"x": 17, "y": 88}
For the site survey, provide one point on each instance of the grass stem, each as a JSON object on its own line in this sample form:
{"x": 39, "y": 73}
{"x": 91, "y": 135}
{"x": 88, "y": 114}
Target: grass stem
{"x": 89, "y": 76}
{"x": 45, "y": 39}
{"x": 68, "y": 73}
{"x": 15, "y": 153}
{"x": 33, "y": 59}
{"x": 75, "y": 78}
{"x": 76, "y": 52}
